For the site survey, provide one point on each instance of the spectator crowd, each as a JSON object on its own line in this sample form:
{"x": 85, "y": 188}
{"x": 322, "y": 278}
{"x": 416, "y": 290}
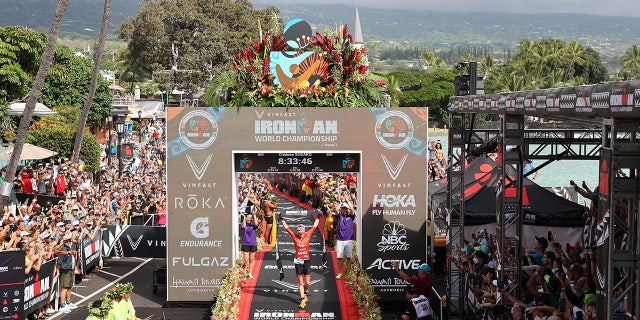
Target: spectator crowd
{"x": 56, "y": 203}
{"x": 557, "y": 281}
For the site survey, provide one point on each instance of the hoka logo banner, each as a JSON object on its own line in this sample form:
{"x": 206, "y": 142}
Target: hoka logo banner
{"x": 394, "y": 201}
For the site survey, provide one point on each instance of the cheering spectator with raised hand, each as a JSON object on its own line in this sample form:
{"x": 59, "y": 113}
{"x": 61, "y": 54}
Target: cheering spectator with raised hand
{"x": 345, "y": 237}
{"x": 422, "y": 283}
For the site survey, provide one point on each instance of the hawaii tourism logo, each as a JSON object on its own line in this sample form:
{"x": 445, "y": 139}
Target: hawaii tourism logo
{"x": 198, "y": 129}
{"x": 394, "y": 130}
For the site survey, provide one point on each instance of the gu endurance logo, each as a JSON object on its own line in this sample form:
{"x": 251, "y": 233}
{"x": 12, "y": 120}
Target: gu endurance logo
{"x": 394, "y": 130}
{"x": 198, "y": 129}
{"x": 200, "y": 227}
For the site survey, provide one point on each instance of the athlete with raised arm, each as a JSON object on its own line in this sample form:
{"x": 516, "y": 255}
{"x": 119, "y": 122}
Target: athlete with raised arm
{"x": 302, "y": 261}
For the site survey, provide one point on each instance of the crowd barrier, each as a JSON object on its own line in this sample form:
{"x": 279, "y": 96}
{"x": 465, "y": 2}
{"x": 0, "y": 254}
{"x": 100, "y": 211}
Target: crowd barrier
{"x": 22, "y": 294}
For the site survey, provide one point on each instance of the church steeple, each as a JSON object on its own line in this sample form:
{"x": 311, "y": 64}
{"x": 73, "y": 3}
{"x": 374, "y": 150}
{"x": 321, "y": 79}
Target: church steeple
{"x": 358, "y": 40}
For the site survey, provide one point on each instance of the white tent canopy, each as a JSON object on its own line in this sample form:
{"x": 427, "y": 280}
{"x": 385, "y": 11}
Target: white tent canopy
{"x": 41, "y": 110}
{"x": 149, "y": 108}
{"x": 29, "y": 152}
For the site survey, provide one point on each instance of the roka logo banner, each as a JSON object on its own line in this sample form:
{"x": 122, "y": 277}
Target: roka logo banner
{"x": 208, "y": 148}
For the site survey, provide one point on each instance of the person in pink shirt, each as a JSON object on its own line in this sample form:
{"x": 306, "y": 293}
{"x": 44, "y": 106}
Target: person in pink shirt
{"x": 162, "y": 212}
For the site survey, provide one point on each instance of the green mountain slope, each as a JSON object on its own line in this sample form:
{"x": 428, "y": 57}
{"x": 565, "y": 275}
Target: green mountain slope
{"x": 434, "y": 30}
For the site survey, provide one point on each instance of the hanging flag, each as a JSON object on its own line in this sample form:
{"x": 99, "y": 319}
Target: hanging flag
{"x": 278, "y": 260}
{"x": 325, "y": 254}
{"x": 325, "y": 258}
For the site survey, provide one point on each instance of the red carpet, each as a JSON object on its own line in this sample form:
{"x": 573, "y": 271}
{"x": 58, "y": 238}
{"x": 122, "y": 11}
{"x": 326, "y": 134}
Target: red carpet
{"x": 253, "y": 297}
{"x": 348, "y": 306}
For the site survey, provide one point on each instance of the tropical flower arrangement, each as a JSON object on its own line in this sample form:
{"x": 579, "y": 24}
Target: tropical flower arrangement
{"x": 363, "y": 292}
{"x": 227, "y": 302}
{"x": 250, "y": 80}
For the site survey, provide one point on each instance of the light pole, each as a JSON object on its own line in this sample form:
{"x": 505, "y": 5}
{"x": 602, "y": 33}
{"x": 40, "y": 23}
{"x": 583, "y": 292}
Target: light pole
{"x": 109, "y": 120}
{"x": 120, "y": 131}
{"x": 140, "y": 125}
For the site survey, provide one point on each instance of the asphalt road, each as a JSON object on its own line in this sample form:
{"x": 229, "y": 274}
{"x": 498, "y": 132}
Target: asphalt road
{"x": 138, "y": 271}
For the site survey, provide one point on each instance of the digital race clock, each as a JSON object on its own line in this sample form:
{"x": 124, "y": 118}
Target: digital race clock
{"x": 297, "y": 161}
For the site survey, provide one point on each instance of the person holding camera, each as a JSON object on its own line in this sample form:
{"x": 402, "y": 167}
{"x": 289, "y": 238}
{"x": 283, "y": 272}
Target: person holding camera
{"x": 67, "y": 255}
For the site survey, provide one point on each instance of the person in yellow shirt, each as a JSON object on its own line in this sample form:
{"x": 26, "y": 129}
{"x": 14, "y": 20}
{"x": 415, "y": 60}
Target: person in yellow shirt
{"x": 117, "y": 311}
{"x": 126, "y": 304}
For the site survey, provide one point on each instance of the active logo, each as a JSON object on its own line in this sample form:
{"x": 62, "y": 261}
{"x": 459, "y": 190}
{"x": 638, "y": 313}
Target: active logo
{"x": 200, "y": 227}
{"x": 198, "y": 129}
{"x": 394, "y": 171}
{"x": 199, "y": 170}
{"x": 394, "y": 130}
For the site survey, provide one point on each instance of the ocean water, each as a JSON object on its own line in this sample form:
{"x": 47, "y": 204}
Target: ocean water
{"x": 556, "y": 174}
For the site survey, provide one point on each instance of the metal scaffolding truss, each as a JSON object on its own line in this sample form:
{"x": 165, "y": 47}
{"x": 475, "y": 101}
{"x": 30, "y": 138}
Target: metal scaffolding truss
{"x": 570, "y": 144}
{"x": 615, "y": 143}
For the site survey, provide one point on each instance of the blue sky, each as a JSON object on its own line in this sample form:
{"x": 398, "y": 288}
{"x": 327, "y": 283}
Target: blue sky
{"x": 597, "y": 7}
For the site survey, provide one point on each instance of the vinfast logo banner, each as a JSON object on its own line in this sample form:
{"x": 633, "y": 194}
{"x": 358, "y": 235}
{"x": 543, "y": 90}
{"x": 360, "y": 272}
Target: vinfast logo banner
{"x": 132, "y": 241}
{"x": 385, "y": 147}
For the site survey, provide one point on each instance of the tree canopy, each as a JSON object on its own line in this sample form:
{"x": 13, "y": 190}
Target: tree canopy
{"x": 205, "y": 34}
{"x": 546, "y": 63}
{"x": 431, "y": 89}
{"x": 67, "y": 82}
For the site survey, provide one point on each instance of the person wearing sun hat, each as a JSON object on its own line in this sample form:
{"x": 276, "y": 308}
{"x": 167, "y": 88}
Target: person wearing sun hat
{"x": 67, "y": 260}
{"x": 422, "y": 283}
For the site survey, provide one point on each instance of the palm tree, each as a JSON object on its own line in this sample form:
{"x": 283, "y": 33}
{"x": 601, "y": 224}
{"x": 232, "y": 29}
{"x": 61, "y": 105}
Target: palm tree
{"x": 393, "y": 89}
{"x": 574, "y": 53}
{"x": 631, "y": 61}
{"x": 34, "y": 94}
{"x": 487, "y": 65}
{"x": 428, "y": 57}
{"x": 94, "y": 81}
